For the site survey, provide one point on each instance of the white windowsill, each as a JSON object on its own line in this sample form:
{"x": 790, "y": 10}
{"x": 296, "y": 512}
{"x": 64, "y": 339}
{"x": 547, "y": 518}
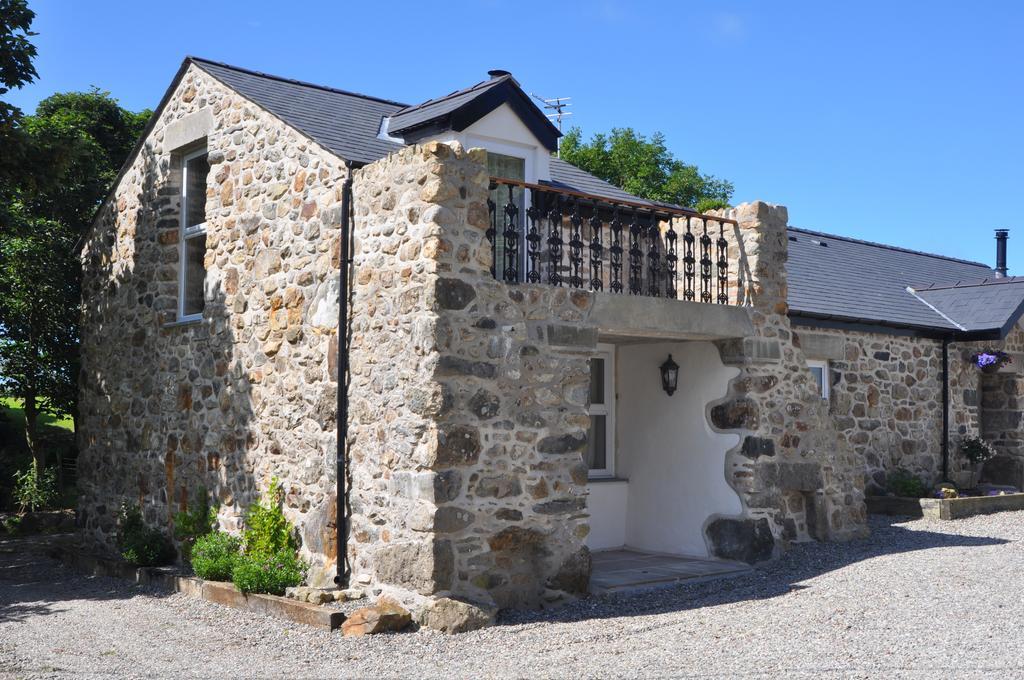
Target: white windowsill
{"x": 187, "y": 321}
{"x": 607, "y": 480}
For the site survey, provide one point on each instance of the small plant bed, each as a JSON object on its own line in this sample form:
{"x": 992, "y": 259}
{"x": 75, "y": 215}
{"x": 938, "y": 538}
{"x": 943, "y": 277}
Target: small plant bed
{"x": 945, "y": 508}
{"x": 174, "y": 579}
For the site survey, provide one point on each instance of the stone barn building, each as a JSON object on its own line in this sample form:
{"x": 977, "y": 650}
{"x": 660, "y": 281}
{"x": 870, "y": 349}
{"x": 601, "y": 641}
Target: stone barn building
{"x": 544, "y": 380}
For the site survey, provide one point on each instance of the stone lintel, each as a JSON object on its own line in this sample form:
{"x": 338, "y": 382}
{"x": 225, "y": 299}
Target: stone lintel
{"x": 822, "y": 345}
{"x": 188, "y": 130}
{"x": 624, "y": 317}
{"x": 750, "y": 350}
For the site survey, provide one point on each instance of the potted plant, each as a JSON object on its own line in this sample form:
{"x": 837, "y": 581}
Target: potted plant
{"x": 976, "y": 451}
{"x": 991, "y": 360}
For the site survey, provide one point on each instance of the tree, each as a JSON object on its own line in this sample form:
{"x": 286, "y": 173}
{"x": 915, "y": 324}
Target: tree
{"x": 74, "y": 145}
{"x": 645, "y": 167}
{"x": 16, "y": 70}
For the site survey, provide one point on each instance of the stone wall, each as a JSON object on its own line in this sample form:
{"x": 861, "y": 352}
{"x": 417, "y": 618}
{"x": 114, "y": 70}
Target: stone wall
{"x": 248, "y": 392}
{"x": 797, "y": 478}
{"x": 468, "y": 397}
{"x": 1001, "y": 420}
{"x": 886, "y": 400}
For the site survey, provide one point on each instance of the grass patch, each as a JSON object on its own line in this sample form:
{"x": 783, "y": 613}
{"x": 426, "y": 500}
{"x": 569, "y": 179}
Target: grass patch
{"x": 15, "y": 412}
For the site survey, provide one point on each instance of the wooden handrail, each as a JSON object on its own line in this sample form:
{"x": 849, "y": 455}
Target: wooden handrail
{"x": 650, "y": 207}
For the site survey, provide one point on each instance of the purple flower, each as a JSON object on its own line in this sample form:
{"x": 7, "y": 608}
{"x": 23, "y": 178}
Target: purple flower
{"x": 986, "y": 359}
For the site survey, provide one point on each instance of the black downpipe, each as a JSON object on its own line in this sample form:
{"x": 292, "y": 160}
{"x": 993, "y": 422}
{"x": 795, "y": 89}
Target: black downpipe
{"x": 945, "y": 408}
{"x": 341, "y": 494}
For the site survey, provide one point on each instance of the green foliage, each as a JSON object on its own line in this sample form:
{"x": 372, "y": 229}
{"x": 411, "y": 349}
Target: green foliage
{"x": 268, "y": 563}
{"x": 69, "y": 153}
{"x": 35, "y": 489}
{"x": 904, "y": 484}
{"x": 141, "y": 545}
{"x": 189, "y": 525}
{"x": 214, "y": 556}
{"x": 12, "y": 524}
{"x": 16, "y": 69}
{"x": 644, "y": 167}
{"x": 267, "y": 530}
{"x": 976, "y": 450}
{"x": 268, "y": 573}
{"x": 16, "y": 52}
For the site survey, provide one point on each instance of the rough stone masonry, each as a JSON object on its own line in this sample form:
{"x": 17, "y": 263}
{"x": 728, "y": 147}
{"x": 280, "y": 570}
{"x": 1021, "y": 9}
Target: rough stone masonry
{"x": 468, "y": 396}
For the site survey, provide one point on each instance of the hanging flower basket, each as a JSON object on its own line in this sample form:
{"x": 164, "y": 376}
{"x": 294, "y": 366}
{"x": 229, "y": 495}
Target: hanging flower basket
{"x": 991, "y": 360}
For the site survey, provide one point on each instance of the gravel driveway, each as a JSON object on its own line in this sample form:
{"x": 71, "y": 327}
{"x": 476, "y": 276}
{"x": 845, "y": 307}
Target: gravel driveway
{"x": 918, "y": 599}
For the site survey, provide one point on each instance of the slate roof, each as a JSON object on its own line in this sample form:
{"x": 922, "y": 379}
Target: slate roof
{"x": 830, "y": 277}
{"x": 565, "y": 175}
{"x": 845, "y": 279}
{"x": 978, "y": 305}
{"x": 345, "y": 123}
{"x": 348, "y": 123}
{"x": 432, "y": 109}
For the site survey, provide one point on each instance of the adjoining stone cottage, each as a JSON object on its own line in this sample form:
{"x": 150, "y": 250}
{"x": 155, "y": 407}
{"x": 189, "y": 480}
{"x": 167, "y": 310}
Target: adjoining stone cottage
{"x": 510, "y": 327}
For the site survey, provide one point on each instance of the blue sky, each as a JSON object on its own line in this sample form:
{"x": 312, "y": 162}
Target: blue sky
{"x": 898, "y": 122}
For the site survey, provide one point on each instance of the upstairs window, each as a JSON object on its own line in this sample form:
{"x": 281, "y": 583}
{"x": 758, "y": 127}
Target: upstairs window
{"x": 192, "y": 272}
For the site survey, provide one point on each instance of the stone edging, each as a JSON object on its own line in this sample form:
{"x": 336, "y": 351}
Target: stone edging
{"x": 213, "y": 591}
{"x": 944, "y": 508}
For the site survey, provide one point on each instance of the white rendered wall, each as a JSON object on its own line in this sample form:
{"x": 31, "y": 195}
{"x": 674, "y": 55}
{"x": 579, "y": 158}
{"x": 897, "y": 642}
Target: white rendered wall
{"x": 674, "y": 461}
{"x": 607, "y": 503}
{"x": 502, "y": 132}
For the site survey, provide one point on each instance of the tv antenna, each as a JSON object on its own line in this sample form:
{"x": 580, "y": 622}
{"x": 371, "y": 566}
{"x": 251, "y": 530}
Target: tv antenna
{"x": 557, "y": 105}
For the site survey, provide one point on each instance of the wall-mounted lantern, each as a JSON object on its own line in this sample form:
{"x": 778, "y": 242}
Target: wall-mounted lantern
{"x": 669, "y": 376}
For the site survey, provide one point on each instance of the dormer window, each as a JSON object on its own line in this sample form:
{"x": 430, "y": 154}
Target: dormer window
{"x": 195, "y": 167}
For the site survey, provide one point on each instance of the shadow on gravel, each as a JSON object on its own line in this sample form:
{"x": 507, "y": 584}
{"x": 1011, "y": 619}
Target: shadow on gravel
{"x": 32, "y": 584}
{"x": 802, "y": 562}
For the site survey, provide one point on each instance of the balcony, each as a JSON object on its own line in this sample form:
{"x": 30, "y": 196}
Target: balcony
{"x": 544, "y": 234}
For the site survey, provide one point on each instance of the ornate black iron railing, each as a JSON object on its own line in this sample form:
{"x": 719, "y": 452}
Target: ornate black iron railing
{"x": 569, "y": 239}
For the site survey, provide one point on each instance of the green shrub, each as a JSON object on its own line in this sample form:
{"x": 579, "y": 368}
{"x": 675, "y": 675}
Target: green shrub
{"x": 976, "y": 450}
{"x": 261, "y": 573}
{"x": 267, "y": 530}
{"x": 35, "y": 489}
{"x": 906, "y": 485}
{"x": 141, "y": 545}
{"x": 214, "y": 556}
{"x": 190, "y": 525}
{"x": 12, "y": 524}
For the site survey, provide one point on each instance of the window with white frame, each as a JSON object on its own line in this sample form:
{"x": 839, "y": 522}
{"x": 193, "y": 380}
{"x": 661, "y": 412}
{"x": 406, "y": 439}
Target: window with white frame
{"x": 600, "y": 456}
{"x": 195, "y": 167}
{"x": 819, "y": 369}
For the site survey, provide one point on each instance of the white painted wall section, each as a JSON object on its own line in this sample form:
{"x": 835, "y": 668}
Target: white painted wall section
{"x": 674, "y": 461}
{"x": 501, "y": 131}
{"x": 607, "y": 501}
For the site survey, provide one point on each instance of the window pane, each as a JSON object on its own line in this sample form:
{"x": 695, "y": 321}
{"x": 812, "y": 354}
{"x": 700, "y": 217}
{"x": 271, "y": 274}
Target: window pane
{"x": 597, "y": 443}
{"x": 196, "y": 171}
{"x": 195, "y": 274}
{"x": 596, "y": 381}
{"x": 506, "y": 167}
{"x": 819, "y": 377}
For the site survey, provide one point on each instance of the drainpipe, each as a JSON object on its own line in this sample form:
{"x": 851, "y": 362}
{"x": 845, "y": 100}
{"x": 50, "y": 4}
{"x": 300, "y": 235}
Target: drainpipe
{"x": 945, "y": 408}
{"x": 341, "y": 493}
